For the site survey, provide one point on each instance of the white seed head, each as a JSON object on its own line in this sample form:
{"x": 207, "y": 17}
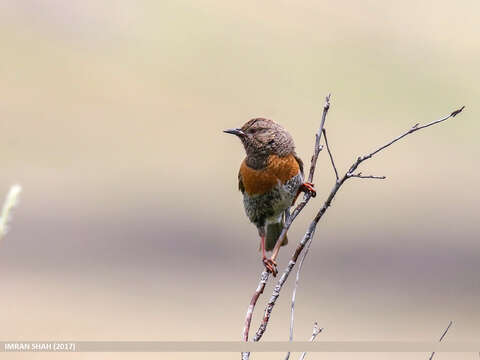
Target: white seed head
{"x": 10, "y": 202}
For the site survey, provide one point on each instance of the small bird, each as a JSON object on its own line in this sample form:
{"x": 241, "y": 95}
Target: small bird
{"x": 270, "y": 179}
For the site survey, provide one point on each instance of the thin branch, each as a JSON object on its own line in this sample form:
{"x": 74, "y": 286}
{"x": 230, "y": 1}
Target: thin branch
{"x": 330, "y": 154}
{"x": 414, "y": 128}
{"x": 308, "y": 235}
{"x": 288, "y": 222}
{"x": 251, "y": 307}
{"x": 316, "y": 330}
{"x": 313, "y": 162}
{"x": 444, "y": 333}
{"x": 307, "y": 195}
{"x": 294, "y": 294}
{"x": 359, "y": 175}
{"x": 10, "y": 202}
{"x": 311, "y": 228}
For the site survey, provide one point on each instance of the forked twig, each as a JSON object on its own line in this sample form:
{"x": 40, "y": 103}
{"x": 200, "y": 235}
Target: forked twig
{"x": 316, "y": 330}
{"x": 330, "y": 153}
{"x": 313, "y": 162}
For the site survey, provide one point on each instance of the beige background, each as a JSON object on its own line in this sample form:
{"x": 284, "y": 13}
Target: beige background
{"x": 131, "y": 226}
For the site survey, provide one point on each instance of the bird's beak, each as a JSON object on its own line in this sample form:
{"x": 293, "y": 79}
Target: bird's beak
{"x": 237, "y": 132}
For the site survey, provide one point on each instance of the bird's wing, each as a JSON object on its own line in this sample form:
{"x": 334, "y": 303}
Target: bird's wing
{"x": 300, "y": 163}
{"x": 240, "y": 183}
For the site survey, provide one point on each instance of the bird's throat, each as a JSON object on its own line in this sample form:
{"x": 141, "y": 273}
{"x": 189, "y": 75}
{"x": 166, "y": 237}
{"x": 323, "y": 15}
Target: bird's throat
{"x": 257, "y": 161}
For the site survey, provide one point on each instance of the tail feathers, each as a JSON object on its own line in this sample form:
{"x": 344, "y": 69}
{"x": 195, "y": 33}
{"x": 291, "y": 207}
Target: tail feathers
{"x": 273, "y": 232}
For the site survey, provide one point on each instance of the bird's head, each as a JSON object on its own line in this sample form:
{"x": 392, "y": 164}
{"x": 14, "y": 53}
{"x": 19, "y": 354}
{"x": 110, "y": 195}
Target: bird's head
{"x": 262, "y": 137}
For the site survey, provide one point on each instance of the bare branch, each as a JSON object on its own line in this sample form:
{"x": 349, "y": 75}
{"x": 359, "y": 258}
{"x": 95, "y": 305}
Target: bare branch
{"x": 311, "y": 229}
{"x": 294, "y": 294}
{"x": 307, "y": 195}
{"x": 292, "y": 311}
{"x": 451, "y": 322}
{"x": 456, "y": 112}
{"x": 318, "y": 147}
{"x": 330, "y": 153}
{"x": 288, "y": 222}
{"x": 359, "y": 175}
{"x": 316, "y": 330}
{"x": 413, "y": 129}
{"x": 445, "y": 332}
{"x": 257, "y": 293}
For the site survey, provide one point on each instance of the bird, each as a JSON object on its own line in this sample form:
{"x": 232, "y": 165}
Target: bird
{"x": 270, "y": 179}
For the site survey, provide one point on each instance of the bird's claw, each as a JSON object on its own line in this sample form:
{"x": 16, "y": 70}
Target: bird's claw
{"x": 309, "y": 187}
{"x": 270, "y": 265}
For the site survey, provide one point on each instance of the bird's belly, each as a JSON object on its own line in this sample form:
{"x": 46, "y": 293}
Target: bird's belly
{"x": 268, "y": 207}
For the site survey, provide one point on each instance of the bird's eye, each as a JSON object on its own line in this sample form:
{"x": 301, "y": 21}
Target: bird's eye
{"x": 271, "y": 142}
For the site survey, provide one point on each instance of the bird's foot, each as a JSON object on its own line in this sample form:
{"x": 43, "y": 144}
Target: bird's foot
{"x": 308, "y": 187}
{"x": 270, "y": 265}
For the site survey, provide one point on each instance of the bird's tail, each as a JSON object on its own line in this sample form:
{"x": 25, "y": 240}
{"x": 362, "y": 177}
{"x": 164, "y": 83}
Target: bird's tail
{"x": 273, "y": 232}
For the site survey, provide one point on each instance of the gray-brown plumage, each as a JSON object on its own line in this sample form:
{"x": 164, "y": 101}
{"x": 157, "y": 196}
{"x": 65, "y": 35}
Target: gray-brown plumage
{"x": 270, "y": 178}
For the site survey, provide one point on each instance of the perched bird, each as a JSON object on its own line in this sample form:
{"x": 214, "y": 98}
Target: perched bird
{"x": 270, "y": 179}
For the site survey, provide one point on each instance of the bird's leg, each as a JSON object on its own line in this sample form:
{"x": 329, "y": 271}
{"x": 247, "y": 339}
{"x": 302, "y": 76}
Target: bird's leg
{"x": 270, "y": 264}
{"x": 276, "y": 249}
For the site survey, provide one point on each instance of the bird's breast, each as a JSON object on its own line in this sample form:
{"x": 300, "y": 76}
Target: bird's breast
{"x": 278, "y": 172}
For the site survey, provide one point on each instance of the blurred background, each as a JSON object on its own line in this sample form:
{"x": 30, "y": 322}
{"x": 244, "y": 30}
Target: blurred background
{"x": 131, "y": 227}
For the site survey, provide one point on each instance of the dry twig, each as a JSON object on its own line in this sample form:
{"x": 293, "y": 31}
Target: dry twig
{"x": 294, "y": 294}
{"x": 360, "y": 176}
{"x": 441, "y": 338}
{"x": 316, "y": 330}
{"x": 330, "y": 153}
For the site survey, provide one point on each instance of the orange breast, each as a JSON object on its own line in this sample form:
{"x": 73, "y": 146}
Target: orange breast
{"x": 279, "y": 169}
